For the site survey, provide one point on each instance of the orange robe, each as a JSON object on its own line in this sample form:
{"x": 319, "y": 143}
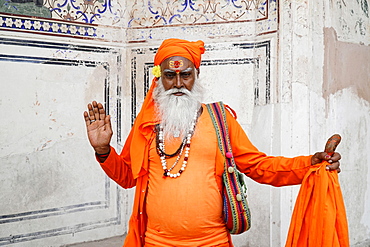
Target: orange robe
{"x": 186, "y": 211}
{"x": 276, "y": 171}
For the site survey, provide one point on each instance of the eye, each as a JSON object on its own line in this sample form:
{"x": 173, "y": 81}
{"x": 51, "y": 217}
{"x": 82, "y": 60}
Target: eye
{"x": 185, "y": 75}
{"x": 169, "y": 75}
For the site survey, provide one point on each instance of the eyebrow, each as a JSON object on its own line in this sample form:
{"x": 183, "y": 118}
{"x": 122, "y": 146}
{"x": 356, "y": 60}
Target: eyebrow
{"x": 171, "y": 71}
{"x": 187, "y": 70}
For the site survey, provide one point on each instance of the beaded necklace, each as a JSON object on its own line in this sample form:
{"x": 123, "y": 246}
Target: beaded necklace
{"x": 185, "y": 144}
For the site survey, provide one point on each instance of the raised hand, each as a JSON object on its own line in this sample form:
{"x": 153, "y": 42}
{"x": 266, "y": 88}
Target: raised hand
{"x": 99, "y": 128}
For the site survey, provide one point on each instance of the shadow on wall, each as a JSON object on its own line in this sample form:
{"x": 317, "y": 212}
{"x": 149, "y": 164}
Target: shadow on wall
{"x": 25, "y": 7}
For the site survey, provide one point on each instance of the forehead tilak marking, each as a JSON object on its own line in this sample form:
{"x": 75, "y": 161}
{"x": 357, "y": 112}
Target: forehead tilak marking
{"x": 174, "y": 64}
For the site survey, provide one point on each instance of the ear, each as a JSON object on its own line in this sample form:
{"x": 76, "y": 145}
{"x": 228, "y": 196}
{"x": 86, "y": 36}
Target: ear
{"x": 198, "y": 72}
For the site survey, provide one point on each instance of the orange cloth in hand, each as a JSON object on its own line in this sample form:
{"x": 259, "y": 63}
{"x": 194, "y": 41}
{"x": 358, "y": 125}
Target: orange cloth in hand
{"x": 319, "y": 216}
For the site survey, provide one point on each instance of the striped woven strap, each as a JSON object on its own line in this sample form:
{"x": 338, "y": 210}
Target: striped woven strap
{"x": 218, "y": 116}
{"x": 239, "y": 208}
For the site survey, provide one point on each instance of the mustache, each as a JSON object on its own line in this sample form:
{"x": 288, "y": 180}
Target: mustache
{"x": 177, "y": 90}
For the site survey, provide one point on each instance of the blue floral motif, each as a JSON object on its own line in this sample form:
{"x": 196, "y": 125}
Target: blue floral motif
{"x": 186, "y": 4}
{"x": 161, "y": 17}
{"x": 174, "y": 12}
{"x": 87, "y": 11}
{"x": 171, "y": 18}
{"x": 233, "y": 3}
{"x": 66, "y": 2}
{"x": 106, "y": 5}
{"x": 150, "y": 6}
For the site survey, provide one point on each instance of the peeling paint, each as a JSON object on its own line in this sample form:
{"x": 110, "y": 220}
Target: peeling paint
{"x": 346, "y": 65}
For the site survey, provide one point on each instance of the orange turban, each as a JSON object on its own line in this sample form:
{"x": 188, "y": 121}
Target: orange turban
{"x": 179, "y": 47}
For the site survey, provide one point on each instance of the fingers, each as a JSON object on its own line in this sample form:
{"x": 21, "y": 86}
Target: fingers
{"x": 335, "y": 157}
{"x": 91, "y": 112}
{"x": 321, "y": 156}
{"x": 334, "y": 166}
{"x": 333, "y": 160}
{"x": 101, "y": 111}
{"x": 87, "y": 119}
{"x": 95, "y": 112}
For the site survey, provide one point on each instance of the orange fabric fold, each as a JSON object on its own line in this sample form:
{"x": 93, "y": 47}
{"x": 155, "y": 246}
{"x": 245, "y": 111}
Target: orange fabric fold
{"x": 319, "y": 216}
{"x": 141, "y": 132}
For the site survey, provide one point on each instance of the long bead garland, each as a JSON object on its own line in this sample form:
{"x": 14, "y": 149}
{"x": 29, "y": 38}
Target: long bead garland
{"x": 184, "y": 145}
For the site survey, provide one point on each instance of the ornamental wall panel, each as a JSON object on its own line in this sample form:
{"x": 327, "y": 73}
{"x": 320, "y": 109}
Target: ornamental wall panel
{"x": 53, "y": 192}
{"x": 189, "y": 18}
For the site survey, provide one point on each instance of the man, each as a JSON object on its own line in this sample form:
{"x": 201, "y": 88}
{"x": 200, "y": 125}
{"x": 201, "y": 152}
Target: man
{"x": 171, "y": 156}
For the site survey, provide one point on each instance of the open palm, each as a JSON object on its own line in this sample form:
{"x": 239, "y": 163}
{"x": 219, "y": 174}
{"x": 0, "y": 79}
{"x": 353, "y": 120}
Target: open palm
{"x": 99, "y": 129}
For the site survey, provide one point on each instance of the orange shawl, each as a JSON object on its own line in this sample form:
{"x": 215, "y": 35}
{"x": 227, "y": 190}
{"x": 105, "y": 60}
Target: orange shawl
{"x": 319, "y": 216}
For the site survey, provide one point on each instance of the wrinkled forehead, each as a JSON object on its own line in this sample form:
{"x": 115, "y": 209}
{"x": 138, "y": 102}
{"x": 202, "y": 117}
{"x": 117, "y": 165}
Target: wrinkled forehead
{"x": 177, "y": 63}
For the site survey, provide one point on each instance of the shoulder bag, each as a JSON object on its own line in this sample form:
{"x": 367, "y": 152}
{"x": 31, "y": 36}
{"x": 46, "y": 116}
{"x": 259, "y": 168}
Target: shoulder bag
{"x": 236, "y": 211}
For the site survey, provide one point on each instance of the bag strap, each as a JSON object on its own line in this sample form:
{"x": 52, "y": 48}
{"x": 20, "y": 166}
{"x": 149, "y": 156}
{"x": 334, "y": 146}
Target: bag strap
{"x": 232, "y": 179}
{"x": 218, "y": 116}
{"x": 232, "y": 175}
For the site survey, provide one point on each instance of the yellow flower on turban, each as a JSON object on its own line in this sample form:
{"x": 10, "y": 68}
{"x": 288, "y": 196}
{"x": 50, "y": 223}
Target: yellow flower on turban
{"x": 156, "y": 71}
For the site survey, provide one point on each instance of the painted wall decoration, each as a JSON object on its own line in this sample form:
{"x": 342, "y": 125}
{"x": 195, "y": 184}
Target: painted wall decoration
{"x": 160, "y": 13}
{"x": 213, "y": 18}
{"x": 84, "y": 18}
{"x": 86, "y": 11}
{"x": 46, "y": 26}
{"x": 71, "y": 18}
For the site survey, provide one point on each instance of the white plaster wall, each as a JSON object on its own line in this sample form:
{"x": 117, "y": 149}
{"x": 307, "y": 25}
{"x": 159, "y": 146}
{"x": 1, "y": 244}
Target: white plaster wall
{"x": 305, "y": 114}
{"x": 317, "y": 106}
{"x": 347, "y": 109}
{"x": 53, "y": 191}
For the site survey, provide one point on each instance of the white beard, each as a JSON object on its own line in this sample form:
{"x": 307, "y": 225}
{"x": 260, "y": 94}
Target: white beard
{"x": 176, "y": 113}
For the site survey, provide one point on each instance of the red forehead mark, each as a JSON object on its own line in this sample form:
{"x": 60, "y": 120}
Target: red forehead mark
{"x": 176, "y": 64}
{"x": 177, "y": 71}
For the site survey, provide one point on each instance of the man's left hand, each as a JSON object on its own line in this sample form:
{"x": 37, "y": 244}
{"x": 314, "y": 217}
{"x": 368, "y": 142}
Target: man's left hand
{"x": 332, "y": 160}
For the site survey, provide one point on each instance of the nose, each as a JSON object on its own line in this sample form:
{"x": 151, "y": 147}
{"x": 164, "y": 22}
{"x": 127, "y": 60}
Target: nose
{"x": 178, "y": 82}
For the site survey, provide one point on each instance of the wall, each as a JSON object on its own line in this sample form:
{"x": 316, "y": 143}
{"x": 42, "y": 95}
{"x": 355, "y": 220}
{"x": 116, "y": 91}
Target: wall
{"x": 345, "y": 93}
{"x": 324, "y": 76}
{"x": 53, "y": 192}
{"x": 294, "y": 71}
